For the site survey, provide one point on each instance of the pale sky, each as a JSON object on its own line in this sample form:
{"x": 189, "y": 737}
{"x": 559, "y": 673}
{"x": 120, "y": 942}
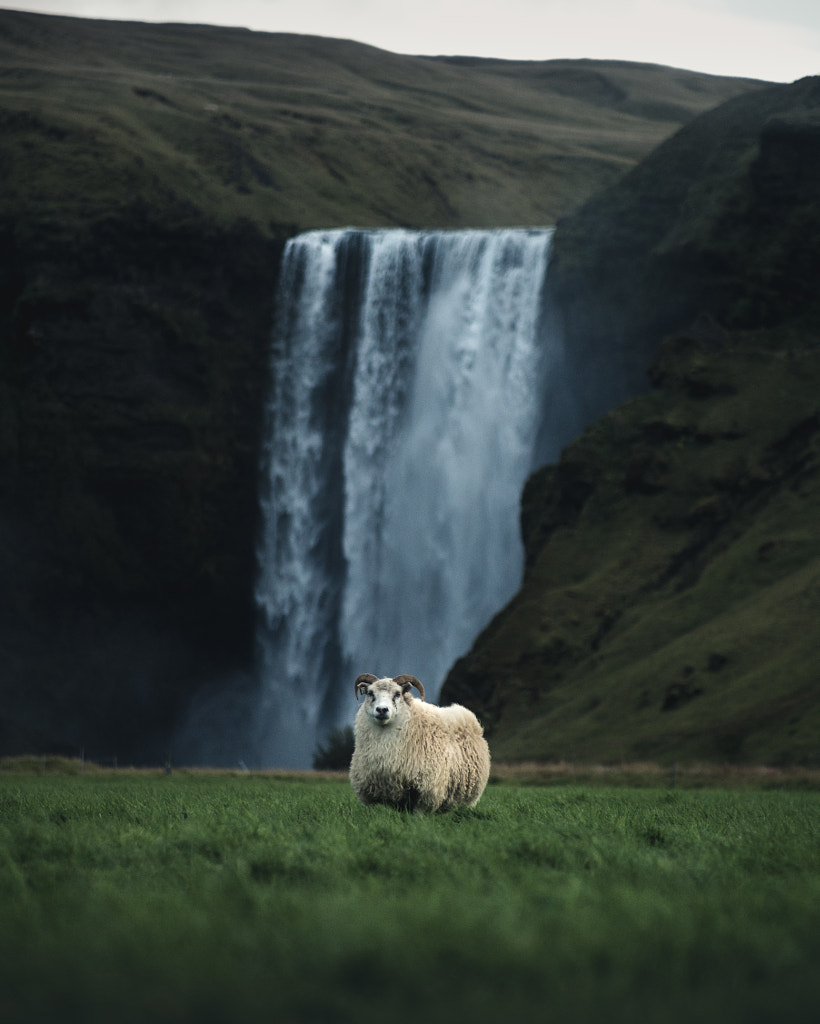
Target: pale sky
{"x": 775, "y": 40}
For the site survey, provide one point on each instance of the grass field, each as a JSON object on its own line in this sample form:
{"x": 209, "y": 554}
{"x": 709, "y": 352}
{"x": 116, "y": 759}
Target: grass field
{"x": 211, "y": 898}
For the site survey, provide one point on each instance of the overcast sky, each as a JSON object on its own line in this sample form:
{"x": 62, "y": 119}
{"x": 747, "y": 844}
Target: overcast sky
{"x": 777, "y": 40}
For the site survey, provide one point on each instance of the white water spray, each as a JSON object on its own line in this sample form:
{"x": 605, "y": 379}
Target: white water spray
{"x": 409, "y": 378}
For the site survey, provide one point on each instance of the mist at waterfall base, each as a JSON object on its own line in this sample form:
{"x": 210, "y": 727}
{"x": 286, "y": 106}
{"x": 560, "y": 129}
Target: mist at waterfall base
{"x": 417, "y": 379}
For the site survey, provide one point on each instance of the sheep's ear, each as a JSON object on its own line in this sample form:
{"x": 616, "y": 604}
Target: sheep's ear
{"x": 407, "y": 682}
{"x": 362, "y": 683}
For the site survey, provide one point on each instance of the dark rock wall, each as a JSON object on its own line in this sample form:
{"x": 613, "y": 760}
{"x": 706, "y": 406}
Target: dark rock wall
{"x": 135, "y": 359}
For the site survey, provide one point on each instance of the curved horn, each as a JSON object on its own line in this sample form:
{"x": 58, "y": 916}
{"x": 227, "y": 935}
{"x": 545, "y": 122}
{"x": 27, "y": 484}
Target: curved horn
{"x": 407, "y": 681}
{"x": 362, "y": 681}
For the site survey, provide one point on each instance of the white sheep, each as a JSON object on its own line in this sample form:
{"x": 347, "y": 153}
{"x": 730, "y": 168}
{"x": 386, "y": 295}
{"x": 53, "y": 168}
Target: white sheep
{"x": 415, "y": 755}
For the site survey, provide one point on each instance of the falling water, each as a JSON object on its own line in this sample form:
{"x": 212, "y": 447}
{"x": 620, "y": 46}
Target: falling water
{"x": 409, "y": 373}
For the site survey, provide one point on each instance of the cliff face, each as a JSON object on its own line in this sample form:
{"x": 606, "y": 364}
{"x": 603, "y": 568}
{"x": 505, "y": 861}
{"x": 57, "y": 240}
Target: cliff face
{"x": 135, "y": 370}
{"x": 673, "y": 560}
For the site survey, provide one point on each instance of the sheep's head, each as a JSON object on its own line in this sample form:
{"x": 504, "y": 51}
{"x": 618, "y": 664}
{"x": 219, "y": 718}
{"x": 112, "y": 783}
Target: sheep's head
{"x": 385, "y": 697}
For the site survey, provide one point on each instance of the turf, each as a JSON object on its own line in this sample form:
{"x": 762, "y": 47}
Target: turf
{"x": 202, "y": 898}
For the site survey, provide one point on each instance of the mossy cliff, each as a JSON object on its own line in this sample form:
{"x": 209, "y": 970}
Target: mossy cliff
{"x": 672, "y": 587}
{"x": 151, "y": 174}
{"x": 721, "y": 220}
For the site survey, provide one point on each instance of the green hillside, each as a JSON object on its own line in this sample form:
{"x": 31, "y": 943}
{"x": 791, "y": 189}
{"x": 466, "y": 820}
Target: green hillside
{"x": 672, "y": 591}
{"x": 294, "y": 132}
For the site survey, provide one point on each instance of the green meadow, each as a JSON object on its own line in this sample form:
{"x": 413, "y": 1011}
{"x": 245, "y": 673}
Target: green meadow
{"x": 202, "y": 897}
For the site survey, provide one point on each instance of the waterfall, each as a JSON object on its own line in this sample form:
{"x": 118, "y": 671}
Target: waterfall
{"x": 409, "y": 375}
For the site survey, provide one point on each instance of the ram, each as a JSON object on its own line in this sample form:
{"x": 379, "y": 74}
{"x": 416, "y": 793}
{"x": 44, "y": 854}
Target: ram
{"x": 412, "y": 754}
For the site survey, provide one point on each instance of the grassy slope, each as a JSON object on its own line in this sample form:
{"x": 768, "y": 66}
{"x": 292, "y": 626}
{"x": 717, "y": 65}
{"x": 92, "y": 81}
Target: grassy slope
{"x": 675, "y": 615}
{"x": 298, "y": 131}
{"x": 670, "y": 604}
{"x": 246, "y": 899}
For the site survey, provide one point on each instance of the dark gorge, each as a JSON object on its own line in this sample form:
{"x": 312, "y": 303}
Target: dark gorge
{"x": 659, "y": 599}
